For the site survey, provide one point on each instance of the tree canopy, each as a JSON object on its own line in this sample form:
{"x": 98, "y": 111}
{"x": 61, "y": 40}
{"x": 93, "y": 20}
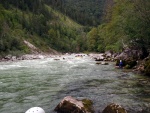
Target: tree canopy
{"x": 127, "y": 22}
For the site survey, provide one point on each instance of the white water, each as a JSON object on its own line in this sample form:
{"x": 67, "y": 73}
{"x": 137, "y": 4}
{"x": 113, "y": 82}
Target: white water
{"x": 44, "y": 82}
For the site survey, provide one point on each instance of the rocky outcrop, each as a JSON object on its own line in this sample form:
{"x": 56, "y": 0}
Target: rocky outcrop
{"x": 130, "y": 54}
{"x": 72, "y": 105}
{"x": 35, "y": 50}
{"x": 104, "y": 63}
{"x": 32, "y": 48}
{"x": 130, "y": 58}
{"x": 114, "y": 108}
{"x": 97, "y": 57}
{"x": 107, "y": 56}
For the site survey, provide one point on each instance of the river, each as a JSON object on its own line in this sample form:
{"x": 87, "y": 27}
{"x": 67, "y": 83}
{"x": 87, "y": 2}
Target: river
{"x": 45, "y": 82}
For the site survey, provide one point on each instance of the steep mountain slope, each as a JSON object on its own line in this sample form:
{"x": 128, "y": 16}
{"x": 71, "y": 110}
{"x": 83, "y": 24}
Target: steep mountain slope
{"x": 37, "y": 23}
{"x": 85, "y": 12}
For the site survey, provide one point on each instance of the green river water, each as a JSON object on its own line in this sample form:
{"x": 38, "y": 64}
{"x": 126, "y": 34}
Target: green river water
{"x": 45, "y": 82}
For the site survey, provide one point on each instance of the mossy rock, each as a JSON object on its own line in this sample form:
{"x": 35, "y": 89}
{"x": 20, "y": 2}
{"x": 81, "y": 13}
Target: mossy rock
{"x": 68, "y": 107}
{"x": 128, "y": 64}
{"x": 147, "y": 68}
{"x": 114, "y": 108}
{"x": 72, "y": 105}
{"x": 88, "y": 105}
{"x": 131, "y": 63}
{"x": 127, "y": 67}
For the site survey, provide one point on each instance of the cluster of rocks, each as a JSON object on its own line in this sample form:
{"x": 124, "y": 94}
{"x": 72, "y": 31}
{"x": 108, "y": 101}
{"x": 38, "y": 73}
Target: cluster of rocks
{"x": 72, "y": 105}
{"x": 99, "y": 58}
{"x": 134, "y": 59}
{"x": 24, "y": 57}
{"x": 107, "y": 56}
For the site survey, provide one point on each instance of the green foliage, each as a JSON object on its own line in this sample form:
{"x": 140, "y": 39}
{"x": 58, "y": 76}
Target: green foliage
{"x": 128, "y": 25}
{"x": 85, "y": 12}
{"x": 39, "y": 24}
{"x": 92, "y": 39}
{"x": 88, "y": 105}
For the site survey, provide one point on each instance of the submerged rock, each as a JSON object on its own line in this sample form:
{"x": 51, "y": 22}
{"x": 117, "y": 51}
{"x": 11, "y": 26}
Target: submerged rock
{"x": 72, "y": 105}
{"x": 114, "y": 108}
{"x": 98, "y": 63}
{"x": 104, "y": 63}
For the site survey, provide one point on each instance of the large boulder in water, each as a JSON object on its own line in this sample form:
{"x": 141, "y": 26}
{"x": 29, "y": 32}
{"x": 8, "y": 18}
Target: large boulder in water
{"x": 114, "y": 108}
{"x": 72, "y": 105}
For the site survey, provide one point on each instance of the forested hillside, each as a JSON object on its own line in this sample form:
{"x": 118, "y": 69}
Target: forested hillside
{"x": 39, "y": 24}
{"x": 126, "y": 24}
{"x": 74, "y": 25}
{"x": 85, "y": 12}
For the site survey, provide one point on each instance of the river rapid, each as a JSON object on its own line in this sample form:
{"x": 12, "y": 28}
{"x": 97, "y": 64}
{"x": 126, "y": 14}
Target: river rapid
{"x": 45, "y": 82}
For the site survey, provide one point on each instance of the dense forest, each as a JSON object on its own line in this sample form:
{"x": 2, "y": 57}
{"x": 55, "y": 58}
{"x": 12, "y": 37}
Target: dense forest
{"x": 74, "y": 25}
{"x": 39, "y": 24}
{"x": 126, "y": 23}
{"x": 85, "y": 12}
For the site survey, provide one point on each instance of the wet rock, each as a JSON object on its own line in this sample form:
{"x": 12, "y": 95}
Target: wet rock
{"x": 97, "y": 57}
{"x": 8, "y": 57}
{"x": 114, "y": 108}
{"x": 128, "y": 53}
{"x": 72, "y": 105}
{"x": 79, "y": 55}
{"x": 127, "y": 64}
{"x": 14, "y": 58}
{"x": 56, "y": 59}
{"x": 88, "y": 105}
{"x": 104, "y": 63}
{"x": 108, "y": 54}
{"x": 143, "y": 81}
{"x": 98, "y": 63}
{"x": 130, "y": 64}
{"x": 122, "y": 56}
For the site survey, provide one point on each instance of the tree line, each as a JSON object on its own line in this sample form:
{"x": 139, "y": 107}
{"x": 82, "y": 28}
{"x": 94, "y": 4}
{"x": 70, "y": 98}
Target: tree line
{"x": 125, "y": 23}
{"x": 119, "y": 23}
{"x": 85, "y": 12}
